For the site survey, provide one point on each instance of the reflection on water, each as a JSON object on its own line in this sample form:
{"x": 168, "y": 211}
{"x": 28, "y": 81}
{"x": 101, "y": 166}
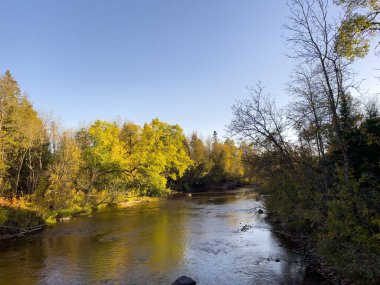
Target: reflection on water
{"x": 155, "y": 243}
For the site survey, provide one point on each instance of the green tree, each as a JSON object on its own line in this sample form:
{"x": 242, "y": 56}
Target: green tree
{"x": 103, "y": 154}
{"x": 160, "y": 155}
{"x": 9, "y": 96}
{"x": 23, "y": 140}
{"x": 30, "y": 147}
{"x": 360, "y": 26}
{"x": 201, "y": 166}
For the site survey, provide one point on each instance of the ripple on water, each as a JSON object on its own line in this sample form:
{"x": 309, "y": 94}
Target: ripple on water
{"x": 155, "y": 243}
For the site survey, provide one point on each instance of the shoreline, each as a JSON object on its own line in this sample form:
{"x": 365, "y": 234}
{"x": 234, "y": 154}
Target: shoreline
{"x": 20, "y": 232}
{"x": 140, "y": 200}
{"x": 304, "y": 246}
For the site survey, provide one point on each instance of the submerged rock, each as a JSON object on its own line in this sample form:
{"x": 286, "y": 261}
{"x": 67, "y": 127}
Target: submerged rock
{"x": 246, "y": 228}
{"x": 184, "y": 280}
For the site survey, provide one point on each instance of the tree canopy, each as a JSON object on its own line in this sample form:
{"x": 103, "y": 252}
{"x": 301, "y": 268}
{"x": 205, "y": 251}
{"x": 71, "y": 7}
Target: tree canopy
{"x": 360, "y": 25}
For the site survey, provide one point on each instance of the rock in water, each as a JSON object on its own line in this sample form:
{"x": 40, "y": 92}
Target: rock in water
{"x": 260, "y": 211}
{"x": 184, "y": 280}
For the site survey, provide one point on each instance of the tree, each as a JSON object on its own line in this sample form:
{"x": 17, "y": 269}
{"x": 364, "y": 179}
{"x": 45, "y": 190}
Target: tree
{"x": 313, "y": 39}
{"x": 9, "y": 96}
{"x": 129, "y": 135}
{"x": 309, "y": 115}
{"x": 103, "y": 154}
{"x": 64, "y": 189}
{"x": 233, "y": 167}
{"x": 360, "y": 25}
{"x": 23, "y": 140}
{"x": 32, "y": 147}
{"x": 201, "y": 166}
{"x": 159, "y": 156}
{"x": 258, "y": 120}
{"x": 259, "y": 123}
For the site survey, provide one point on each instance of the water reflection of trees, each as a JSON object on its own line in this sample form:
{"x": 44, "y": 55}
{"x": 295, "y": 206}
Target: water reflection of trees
{"x": 146, "y": 240}
{"x": 153, "y": 241}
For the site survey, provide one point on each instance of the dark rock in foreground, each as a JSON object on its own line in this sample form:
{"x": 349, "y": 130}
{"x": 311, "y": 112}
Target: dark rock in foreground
{"x": 184, "y": 280}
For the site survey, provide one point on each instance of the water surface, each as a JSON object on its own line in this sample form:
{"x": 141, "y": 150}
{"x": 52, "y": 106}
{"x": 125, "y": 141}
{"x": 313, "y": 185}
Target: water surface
{"x": 155, "y": 243}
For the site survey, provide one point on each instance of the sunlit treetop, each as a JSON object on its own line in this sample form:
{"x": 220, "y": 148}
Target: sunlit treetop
{"x": 360, "y": 26}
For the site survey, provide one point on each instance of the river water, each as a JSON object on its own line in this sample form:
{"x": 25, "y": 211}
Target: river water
{"x": 213, "y": 237}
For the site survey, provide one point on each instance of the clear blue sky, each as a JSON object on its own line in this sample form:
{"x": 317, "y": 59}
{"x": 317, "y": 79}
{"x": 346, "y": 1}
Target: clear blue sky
{"x": 184, "y": 61}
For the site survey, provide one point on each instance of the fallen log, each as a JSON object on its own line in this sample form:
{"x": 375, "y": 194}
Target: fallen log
{"x": 15, "y": 232}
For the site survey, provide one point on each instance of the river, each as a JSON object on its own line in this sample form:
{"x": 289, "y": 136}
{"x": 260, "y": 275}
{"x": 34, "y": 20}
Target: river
{"x": 213, "y": 237}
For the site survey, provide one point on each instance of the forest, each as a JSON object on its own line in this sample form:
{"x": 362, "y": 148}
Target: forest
{"x": 54, "y": 172}
{"x": 316, "y": 161}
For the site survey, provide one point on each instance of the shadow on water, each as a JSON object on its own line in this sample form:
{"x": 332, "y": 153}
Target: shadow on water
{"x": 214, "y": 237}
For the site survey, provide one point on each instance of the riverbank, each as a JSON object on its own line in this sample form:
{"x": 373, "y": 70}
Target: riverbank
{"x": 20, "y": 217}
{"x": 330, "y": 247}
{"x": 305, "y": 246}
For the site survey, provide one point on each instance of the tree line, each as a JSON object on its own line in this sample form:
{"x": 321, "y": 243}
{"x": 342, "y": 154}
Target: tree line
{"x": 58, "y": 172}
{"x": 216, "y": 163}
{"x": 318, "y": 158}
